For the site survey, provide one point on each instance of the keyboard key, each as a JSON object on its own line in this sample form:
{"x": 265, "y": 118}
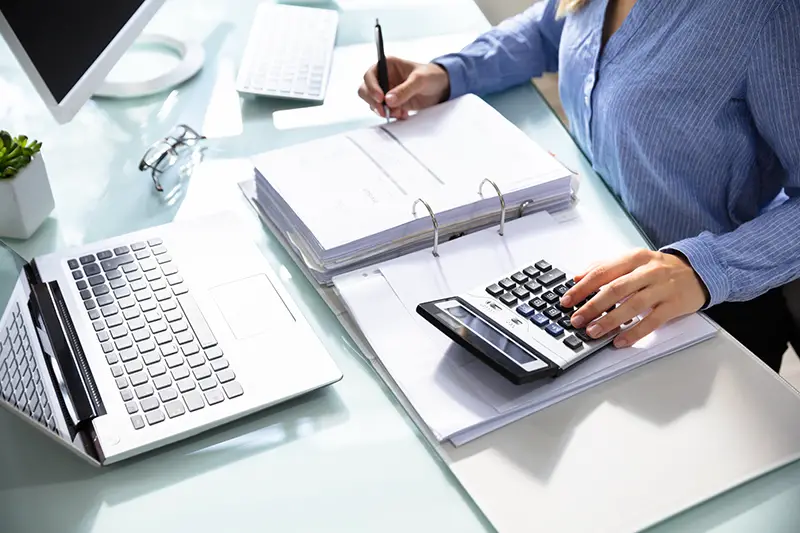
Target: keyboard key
{"x": 110, "y": 310}
{"x": 174, "y": 409}
{"x": 136, "y": 323}
{"x": 525, "y": 310}
{"x": 157, "y": 369}
{"x": 122, "y": 292}
{"x": 214, "y": 397}
{"x": 144, "y": 391}
{"x": 180, "y": 372}
{"x": 142, "y": 254}
{"x": 117, "y": 284}
{"x": 155, "y": 417}
{"x": 155, "y": 241}
{"x": 561, "y": 290}
{"x": 213, "y": 353}
{"x": 138, "y": 378}
{"x": 539, "y": 319}
{"x": 520, "y": 293}
{"x": 194, "y": 400}
{"x": 551, "y": 278}
{"x": 127, "y": 354}
{"x": 92, "y": 269}
{"x": 118, "y": 332}
{"x": 112, "y": 358}
{"x": 538, "y": 304}
{"x": 73, "y": 264}
{"x": 121, "y": 250}
{"x": 138, "y": 421}
{"x": 226, "y": 375}
{"x": 148, "y": 404}
{"x": 138, "y": 246}
{"x": 495, "y": 290}
{"x": 127, "y": 395}
{"x": 173, "y": 361}
{"x": 543, "y": 266}
{"x": 219, "y": 364}
{"x": 581, "y": 334}
{"x": 82, "y": 285}
{"x": 148, "y": 305}
{"x": 550, "y": 297}
{"x": 141, "y": 335}
{"x": 157, "y": 326}
{"x": 202, "y": 372}
{"x": 131, "y": 313}
{"x": 552, "y": 313}
{"x": 163, "y": 338}
{"x": 105, "y": 254}
{"x": 573, "y": 342}
{"x": 151, "y": 358}
{"x": 508, "y": 299}
{"x": 134, "y": 366}
{"x": 77, "y": 274}
{"x": 565, "y": 322}
{"x": 168, "y": 394}
{"x": 146, "y": 346}
{"x": 507, "y": 284}
{"x": 173, "y": 315}
{"x": 168, "y": 349}
{"x": 162, "y": 382}
{"x": 554, "y": 329}
{"x": 117, "y": 371}
{"x": 233, "y": 390}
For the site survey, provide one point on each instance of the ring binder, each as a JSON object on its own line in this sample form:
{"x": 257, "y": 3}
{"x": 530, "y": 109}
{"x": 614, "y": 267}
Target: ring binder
{"x": 502, "y": 229}
{"x": 433, "y": 220}
{"x": 522, "y": 206}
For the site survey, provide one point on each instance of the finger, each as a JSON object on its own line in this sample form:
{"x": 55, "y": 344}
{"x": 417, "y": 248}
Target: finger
{"x": 404, "y": 92}
{"x": 659, "y": 316}
{"x": 365, "y": 95}
{"x": 371, "y": 84}
{"x": 638, "y": 304}
{"x": 602, "y": 275}
{"x": 611, "y": 294}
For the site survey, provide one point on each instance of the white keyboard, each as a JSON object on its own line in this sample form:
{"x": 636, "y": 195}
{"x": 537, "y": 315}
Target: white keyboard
{"x": 289, "y": 52}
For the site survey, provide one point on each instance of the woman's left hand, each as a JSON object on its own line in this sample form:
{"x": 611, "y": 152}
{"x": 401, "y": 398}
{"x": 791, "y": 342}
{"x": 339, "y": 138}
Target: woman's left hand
{"x": 657, "y": 285}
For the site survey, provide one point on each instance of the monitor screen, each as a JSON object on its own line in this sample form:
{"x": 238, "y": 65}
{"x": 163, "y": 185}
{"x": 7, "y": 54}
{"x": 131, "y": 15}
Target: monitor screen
{"x": 64, "y": 38}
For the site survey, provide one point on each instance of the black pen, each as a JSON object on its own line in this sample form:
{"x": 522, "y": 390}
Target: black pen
{"x": 383, "y": 72}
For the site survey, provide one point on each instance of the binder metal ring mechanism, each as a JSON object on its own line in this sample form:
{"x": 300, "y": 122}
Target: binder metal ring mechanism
{"x": 502, "y": 229}
{"x": 433, "y": 220}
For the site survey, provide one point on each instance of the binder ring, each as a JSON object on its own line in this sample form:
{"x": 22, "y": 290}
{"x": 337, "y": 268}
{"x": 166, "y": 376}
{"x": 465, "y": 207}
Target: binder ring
{"x": 433, "y": 220}
{"x": 522, "y": 207}
{"x": 502, "y": 229}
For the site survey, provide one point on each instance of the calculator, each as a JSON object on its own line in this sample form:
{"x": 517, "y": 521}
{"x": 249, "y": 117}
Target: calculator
{"x": 516, "y": 324}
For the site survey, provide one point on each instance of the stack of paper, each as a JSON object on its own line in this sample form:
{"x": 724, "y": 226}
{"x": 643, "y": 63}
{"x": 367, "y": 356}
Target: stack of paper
{"x": 350, "y": 200}
{"x": 456, "y": 395}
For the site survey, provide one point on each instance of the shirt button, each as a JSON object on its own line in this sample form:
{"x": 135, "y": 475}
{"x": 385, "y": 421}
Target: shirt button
{"x": 586, "y": 99}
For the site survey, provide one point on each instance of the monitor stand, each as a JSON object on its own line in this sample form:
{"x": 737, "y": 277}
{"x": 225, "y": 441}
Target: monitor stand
{"x": 191, "y": 57}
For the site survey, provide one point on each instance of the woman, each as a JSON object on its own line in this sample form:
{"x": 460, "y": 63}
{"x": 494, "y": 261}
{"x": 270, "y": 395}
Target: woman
{"x": 690, "y": 111}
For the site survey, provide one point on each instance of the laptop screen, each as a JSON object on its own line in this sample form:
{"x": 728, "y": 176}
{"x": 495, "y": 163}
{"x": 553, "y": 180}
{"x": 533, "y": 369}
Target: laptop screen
{"x": 30, "y": 381}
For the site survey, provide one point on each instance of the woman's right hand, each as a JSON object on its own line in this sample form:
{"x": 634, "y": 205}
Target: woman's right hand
{"x": 412, "y": 86}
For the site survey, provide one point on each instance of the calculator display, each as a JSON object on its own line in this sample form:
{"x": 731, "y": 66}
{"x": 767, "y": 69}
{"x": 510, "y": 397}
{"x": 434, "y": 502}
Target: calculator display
{"x": 489, "y": 334}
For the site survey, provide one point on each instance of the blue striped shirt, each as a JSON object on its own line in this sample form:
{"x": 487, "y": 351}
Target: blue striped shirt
{"x": 690, "y": 113}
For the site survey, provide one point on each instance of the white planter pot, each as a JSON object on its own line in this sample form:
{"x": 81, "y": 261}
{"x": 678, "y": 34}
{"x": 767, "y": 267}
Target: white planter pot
{"x": 26, "y": 200}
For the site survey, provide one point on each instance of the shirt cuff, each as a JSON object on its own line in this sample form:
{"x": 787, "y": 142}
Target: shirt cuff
{"x": 701, "y": 258}
{"x": 457, "y": 72}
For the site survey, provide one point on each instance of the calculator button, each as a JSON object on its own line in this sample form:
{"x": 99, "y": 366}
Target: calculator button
{"x": 520, "y": 293}
{"x": 538, "y": 304}
{"x": 570, "y": 283}
{"x": 552, "y": 313}
{"x": 543, "y": 266}
{"x": 566, "y": 323}
{"x": 531, "y": 272}
{"x": 533, "y": 287}
{"x": 525, "y": 310}
{"x": 581, "y": 334}
{"x": 540, "y": 320}
{"x": 561, "y": 290}
{"x": 508, "y": 299}
{"x": 554, "y": 329}
{"x": 519, "y": 277}
{"x": 507, "y": 284}
{"x": 551, "y": 277}
{"x": 573, "y": 342}
{"x": 495, "y": 290}
{"x": 549, "y": 297}
{"x": 566, "y": 310}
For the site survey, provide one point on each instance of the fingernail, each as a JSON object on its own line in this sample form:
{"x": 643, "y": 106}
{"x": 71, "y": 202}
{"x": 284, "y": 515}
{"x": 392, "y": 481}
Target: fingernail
{"x": 391, "y": 99}
{"x": 621, "y": 342}
{"x": 594, "y": 330}
{"x": 578, "y": 321}
{"x": 566, "y": 301}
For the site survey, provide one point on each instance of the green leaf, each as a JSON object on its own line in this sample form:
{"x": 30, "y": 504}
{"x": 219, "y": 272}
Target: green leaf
{"x": 36, "y": 146}
{"x": 5, "y": 137}
{"x": 18, "y": 162}
{"x": 16, "y": 150}
{"x": 9, "y": 173}
{"x": 22, "y": 140}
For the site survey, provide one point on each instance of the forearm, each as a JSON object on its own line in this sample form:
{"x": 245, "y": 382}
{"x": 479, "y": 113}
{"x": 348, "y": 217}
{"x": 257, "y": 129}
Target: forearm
{"x": 518, "y": 49}
{"x": 747, "y": 262}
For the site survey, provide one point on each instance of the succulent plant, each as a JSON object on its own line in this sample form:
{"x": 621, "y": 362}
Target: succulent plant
{"x": 15, "y": 154}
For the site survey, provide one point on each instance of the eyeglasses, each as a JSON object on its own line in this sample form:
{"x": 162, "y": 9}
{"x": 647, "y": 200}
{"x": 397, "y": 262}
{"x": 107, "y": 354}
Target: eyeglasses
{"x": 164, "y": 153}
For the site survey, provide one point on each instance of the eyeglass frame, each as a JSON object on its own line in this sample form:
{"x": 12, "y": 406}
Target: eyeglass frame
{"x": 171, "y": 143}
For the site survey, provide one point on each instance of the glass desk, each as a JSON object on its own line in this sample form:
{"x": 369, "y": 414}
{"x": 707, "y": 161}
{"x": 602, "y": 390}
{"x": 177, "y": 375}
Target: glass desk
{"x": 346, "y": 458}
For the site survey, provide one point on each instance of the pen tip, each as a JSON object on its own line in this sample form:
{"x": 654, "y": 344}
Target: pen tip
{"x": 377, "y": 22}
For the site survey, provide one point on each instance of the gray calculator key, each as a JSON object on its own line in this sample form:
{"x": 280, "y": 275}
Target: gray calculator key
{"x": 105, "y": 300}
{"x": 175, "y": 409}
{"x": 132, "y": 367}
{"x": 131, "y": 313}
{"x": 127, "y": 395}
{"x": 102, "y": 336}
{"x": 151, "y": 358}
{"x": 180, "y": 372}
{"x": 168, "y": 349}
{"x": 133, "y": 276}
{"x": 213, "y": 353}
{"x": 146, "y": 346}
{"x": 142, "y": 254}
{"x": 100, "y": 290}
{"x": 138, "y": 378}
{"x": 195, "y": 360}
{"x": 110, "y": 310}
{"x": 233, "y": 389}
{"x": 150, "y": 403}
{"x": 155, "y": 417}
{"x": 148, "y": 305}
{"x": 138, "y": 285}
{"x": 122, "y": 292}
{"x": 214, "y": 396}
{"x": 219, "y": 364}
{"x": 89, "y": 305}
{"x": 168, "y": 394}
{"x": 126, "y": 303}
{"x": 194, "y": 401}
{"x": 121, "y": 383}
{"x": 157, "y": 369}
{"x": 96, "y": 280}
{"x": 138, "y": 422}
{"x": 113, "y": 275}
{"x": 141, "y": 334}
{"x": 94, "y": 314}
{"x": 185, "y": 385}
{"x": 144, "y": 391}
{"x": 152, "y": 276}
{"x": 128, "y": 354}
{"x": 117, "y": 284}
{"x": 208, "y": 383}
{"x": 226, "y": 375}
{"x": 117, "y": 371}
{"x": 130, "y": 268}
{"x": 163, "y": 338}
{"x": 173, "y": 360}
{"x": 202, "y": 372}
{"x": 98, "y": 325}
{"x": 132, "y": 408}
{"x": 119, "y": 332}
{"x": 154, "y": 316}
{"x": 124, "y": 343}
{"x": 86, "y": 294}
{"x": 143, "y": 295}
{"x": 138, "y": 246}
{"x": 136, "y": 323}
{"x": 162, "y": 382}
{"x": 113, "y": 321}
{"x": 112, "y": 358}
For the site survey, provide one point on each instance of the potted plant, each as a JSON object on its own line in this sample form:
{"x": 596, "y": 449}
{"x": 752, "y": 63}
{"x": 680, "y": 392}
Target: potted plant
{"x": 26, "y": 199}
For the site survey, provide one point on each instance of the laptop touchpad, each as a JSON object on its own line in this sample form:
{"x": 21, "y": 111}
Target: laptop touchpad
{"x": 252, "y": 307}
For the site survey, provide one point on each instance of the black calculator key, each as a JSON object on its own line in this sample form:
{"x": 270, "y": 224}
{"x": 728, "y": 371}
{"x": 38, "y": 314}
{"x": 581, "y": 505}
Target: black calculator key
{"x": 552, "y": 313}
{"x": 89, "y": 305}
{"x": 566, "y": 310}
{"x": 520, "y": 293}
{"x": 551, "y": 277}
{"x": 538, "y": 304}
{"x": 86, "y": 259}
{"x": 121, "y": 250}
{"x": 96, "y": 280}
{"x": 531, "y": 272}
{"x": 113, "y": 274}
{"x": 86, "y": 294}
{"x": 533, "y": 287}
{"x": 573, "y": 342}
{"x": 73, "y": 264}
{"x": 526, "y": 310}
{"x": 77, "y": 274}
{"x": 495, "y": 290}
{"x": 92, "y": 269}
{"x": 561, "y": 290}
{"x": 507, "y": 284}
{"x": 543, "y": 266}
{"x": 554, "y": 329}
{"x": 566, "y": 323}
{"x": 570, "y": 283}
{"x": 508, "y": 299}
{"x": 82, "y": 285}
{"x": 540, "y": 320}
{"x": 519, "y": 277}
{"x": 581, "y": 334}
{"x": 105, "y": 254}
{"x": 549, "y": 297}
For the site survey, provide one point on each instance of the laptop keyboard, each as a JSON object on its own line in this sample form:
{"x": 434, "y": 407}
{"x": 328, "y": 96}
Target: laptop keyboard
{"x": 159, "y": 348}
{"x": 21, "y": 383}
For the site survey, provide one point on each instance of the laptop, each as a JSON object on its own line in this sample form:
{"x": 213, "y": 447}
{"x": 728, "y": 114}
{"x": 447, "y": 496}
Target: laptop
{"x": 126, "y": 345}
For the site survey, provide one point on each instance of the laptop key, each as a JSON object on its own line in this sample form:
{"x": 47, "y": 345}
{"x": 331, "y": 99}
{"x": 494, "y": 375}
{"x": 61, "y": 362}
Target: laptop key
{"x": 153, "y": 316}
{"x": 157, "y": 369}
{"x": 194, "y": 401}
{"x": 174, "y": 409}
{"x": 180, "y": 372}
{"x": 105, "y": 254}
{"x": 151, "y": 358}
{"x": 131, "y": 407}
{"x": 141, "y": 335}
{"x": 144, "y": 391}
{"x": 73, "y": 264}
{"x": 117, "y": 284}
{"x": 155, "y": 417}
{"x": 138, "y": 421}
{"x": 150, "y": 403}
{"x": 214, "y": 396}
{"x": 163, "y": 338}
{"x": 202, "y": 372}
{"x": 134, "y": 366}
{"x": 131, "y": 313}
{"x": 138, "y": 378}
{"x": 127, "y": 354}
{"x": 162, "y": 382}
{"x": 136, "y": 323}
{"x": 219, "y": 364}
{"x": 148, "y": 305}
{"x": 226, "y": 375}
{"x": 110, "y": 310}
{"x": 185, "y": 385}
{"x": 138, "y": 246}
{"x": 214, "y": 352}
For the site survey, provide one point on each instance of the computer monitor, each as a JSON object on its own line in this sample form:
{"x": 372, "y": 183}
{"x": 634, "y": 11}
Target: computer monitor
{"x": 68, "y": 47}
